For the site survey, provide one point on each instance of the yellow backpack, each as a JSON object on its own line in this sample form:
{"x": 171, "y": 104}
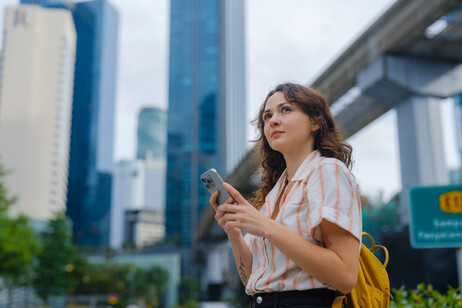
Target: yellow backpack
{"x": 372, "y": 290}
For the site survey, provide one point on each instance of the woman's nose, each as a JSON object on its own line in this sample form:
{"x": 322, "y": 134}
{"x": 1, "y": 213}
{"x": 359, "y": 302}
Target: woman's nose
{"x": 274, "y": 121}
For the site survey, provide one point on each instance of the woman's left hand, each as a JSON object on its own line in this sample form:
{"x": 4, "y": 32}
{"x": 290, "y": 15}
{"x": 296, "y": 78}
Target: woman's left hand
{"x": 242, "y": 215}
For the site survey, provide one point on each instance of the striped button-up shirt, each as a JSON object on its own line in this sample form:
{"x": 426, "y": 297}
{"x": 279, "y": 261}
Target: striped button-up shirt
{"x": 322, "y": 188}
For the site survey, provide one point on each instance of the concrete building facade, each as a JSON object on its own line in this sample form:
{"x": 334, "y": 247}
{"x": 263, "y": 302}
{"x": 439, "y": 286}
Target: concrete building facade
{"x": 36, "y": 89}
{"x": 138, "y": 186}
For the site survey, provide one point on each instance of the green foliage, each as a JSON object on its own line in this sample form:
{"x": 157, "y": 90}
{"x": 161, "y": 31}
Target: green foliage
{"x": 189, "y": 292}
{"x": 58, "y": 267}
{"x": 18, "y": 248}
{"x": 151, "y": 284}
{"x": 5, "y": 200}
{"x": 425, "y": 297}
{"x": 80, "y": 269}
{"x": 105, "y": 279}
{"x": 129, "y": 282}
{"x": 190, "y": 303}
{"x": 18, "y": 245}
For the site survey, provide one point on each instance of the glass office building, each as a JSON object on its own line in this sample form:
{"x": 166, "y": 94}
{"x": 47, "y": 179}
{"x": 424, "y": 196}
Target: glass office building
{"x": 91, "y": 147}
{"x": 152, "y": 133}
{"x": 458, "y": 124}
{"x": 206, "y": 116}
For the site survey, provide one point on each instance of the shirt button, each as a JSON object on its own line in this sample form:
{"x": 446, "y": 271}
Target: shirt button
{"x": 259, "y": 300}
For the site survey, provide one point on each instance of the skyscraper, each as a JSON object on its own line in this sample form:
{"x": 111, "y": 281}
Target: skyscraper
{"x": 91, "y": 149}
{"x": 36, "y": 82}
{"x": 152, "y": 133}
{"x": 206, "y": 116}
{"x": 458, "y": 123}
{"x": 91, "y": 156}
{"x": 456, "y": 175}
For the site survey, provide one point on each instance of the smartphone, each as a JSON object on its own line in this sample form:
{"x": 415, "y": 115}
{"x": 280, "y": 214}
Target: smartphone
{"x": 213, "y": 182}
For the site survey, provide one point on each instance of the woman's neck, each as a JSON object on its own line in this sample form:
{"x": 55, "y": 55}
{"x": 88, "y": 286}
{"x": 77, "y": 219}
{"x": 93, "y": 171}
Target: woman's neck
{"x": 295, "y": 159}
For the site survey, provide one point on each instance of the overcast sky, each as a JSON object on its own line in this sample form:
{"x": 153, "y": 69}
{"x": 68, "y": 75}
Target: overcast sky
{"x": 286, "y": 40}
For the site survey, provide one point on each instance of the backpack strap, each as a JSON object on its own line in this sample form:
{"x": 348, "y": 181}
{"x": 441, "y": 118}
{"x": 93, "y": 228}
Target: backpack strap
{"x": 385, "y": 262}
{"x": 375, "y": 247}
{"x": 340, "y": 301}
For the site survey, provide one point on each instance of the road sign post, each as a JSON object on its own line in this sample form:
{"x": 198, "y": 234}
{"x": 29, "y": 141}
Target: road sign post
{"x": 436, "y": 219}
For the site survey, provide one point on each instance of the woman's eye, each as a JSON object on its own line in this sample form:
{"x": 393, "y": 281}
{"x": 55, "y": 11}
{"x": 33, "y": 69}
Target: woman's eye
{"x": 266, "y": 117}
{"x": 286, "y": 109}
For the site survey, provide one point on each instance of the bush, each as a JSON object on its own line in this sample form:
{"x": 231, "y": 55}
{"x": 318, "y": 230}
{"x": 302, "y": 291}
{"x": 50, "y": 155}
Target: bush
{"x": 425, "y": 296}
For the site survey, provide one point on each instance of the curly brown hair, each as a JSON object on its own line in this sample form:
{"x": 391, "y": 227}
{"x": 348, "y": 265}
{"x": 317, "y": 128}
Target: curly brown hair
{"x": 328, "y": 140}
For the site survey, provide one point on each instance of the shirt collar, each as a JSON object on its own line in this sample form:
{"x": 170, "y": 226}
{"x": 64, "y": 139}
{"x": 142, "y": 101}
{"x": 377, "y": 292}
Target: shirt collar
{"x": 300, "y": 174}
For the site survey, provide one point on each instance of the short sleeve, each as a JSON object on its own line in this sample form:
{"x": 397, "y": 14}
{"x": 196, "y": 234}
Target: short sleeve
{"x": 247, "y": 239}
{"x": 333, "y": 195}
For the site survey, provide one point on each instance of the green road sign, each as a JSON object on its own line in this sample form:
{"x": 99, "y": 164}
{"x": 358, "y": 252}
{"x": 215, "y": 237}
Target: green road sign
{"x": 436, "y": 216}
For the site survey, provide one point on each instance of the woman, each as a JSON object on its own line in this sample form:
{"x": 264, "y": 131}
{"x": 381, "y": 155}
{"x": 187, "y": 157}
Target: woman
{"x": 303, "y": 230}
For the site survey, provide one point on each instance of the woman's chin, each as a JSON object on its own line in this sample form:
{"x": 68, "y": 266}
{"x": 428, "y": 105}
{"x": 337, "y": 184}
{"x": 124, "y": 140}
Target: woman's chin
{"x": 278, "y": 148}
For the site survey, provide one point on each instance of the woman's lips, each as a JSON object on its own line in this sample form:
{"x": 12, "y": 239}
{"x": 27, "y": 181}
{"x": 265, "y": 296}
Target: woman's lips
{"x": 276, "y": 133}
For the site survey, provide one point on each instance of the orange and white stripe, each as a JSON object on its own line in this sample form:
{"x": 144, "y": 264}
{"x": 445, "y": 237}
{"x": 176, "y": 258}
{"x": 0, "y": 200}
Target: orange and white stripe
{"x": 322, "y": 188}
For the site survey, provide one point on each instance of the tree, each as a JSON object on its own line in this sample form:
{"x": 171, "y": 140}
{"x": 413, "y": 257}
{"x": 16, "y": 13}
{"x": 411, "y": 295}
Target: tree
{"x": 189, "y": 292}
{"x": 130, "y": 283}
{"x": 56, "y": 270}
{"x": 105, "y": 279}
{"x": 151, "y": 285}
{"x": 5, "y": 200}
{"x": 18, "y": 245}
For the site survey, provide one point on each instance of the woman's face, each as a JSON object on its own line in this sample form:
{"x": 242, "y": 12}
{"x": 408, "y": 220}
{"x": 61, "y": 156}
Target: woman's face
{"x": 286, "y": 127}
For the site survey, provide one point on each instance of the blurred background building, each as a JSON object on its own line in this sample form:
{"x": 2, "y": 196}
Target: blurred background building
{"x": 92, "y": 134}
{"x": 151, "y": 133}
{"x": 138, "y": 206}
{"x": 36, "y": 87}
{"x": 152, "y": 148}
{"x": 128, "y": 193}
{"x": 143, "y": 227}
{"x": 139, "y": 188}
{"x": 455, "y": 175}
{"x": 206, "y": 113}
{"x": 91, "y": 158}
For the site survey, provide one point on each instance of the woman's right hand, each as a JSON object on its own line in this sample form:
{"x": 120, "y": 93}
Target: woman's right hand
{"x": 231, "y": 232}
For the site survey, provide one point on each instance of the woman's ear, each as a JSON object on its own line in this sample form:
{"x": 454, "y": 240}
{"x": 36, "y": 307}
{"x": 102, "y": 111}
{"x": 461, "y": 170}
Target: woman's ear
{"x": 314, "y": 127}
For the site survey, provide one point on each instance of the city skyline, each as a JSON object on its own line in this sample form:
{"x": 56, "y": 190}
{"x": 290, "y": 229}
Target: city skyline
{"x": 290, "y": 42}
